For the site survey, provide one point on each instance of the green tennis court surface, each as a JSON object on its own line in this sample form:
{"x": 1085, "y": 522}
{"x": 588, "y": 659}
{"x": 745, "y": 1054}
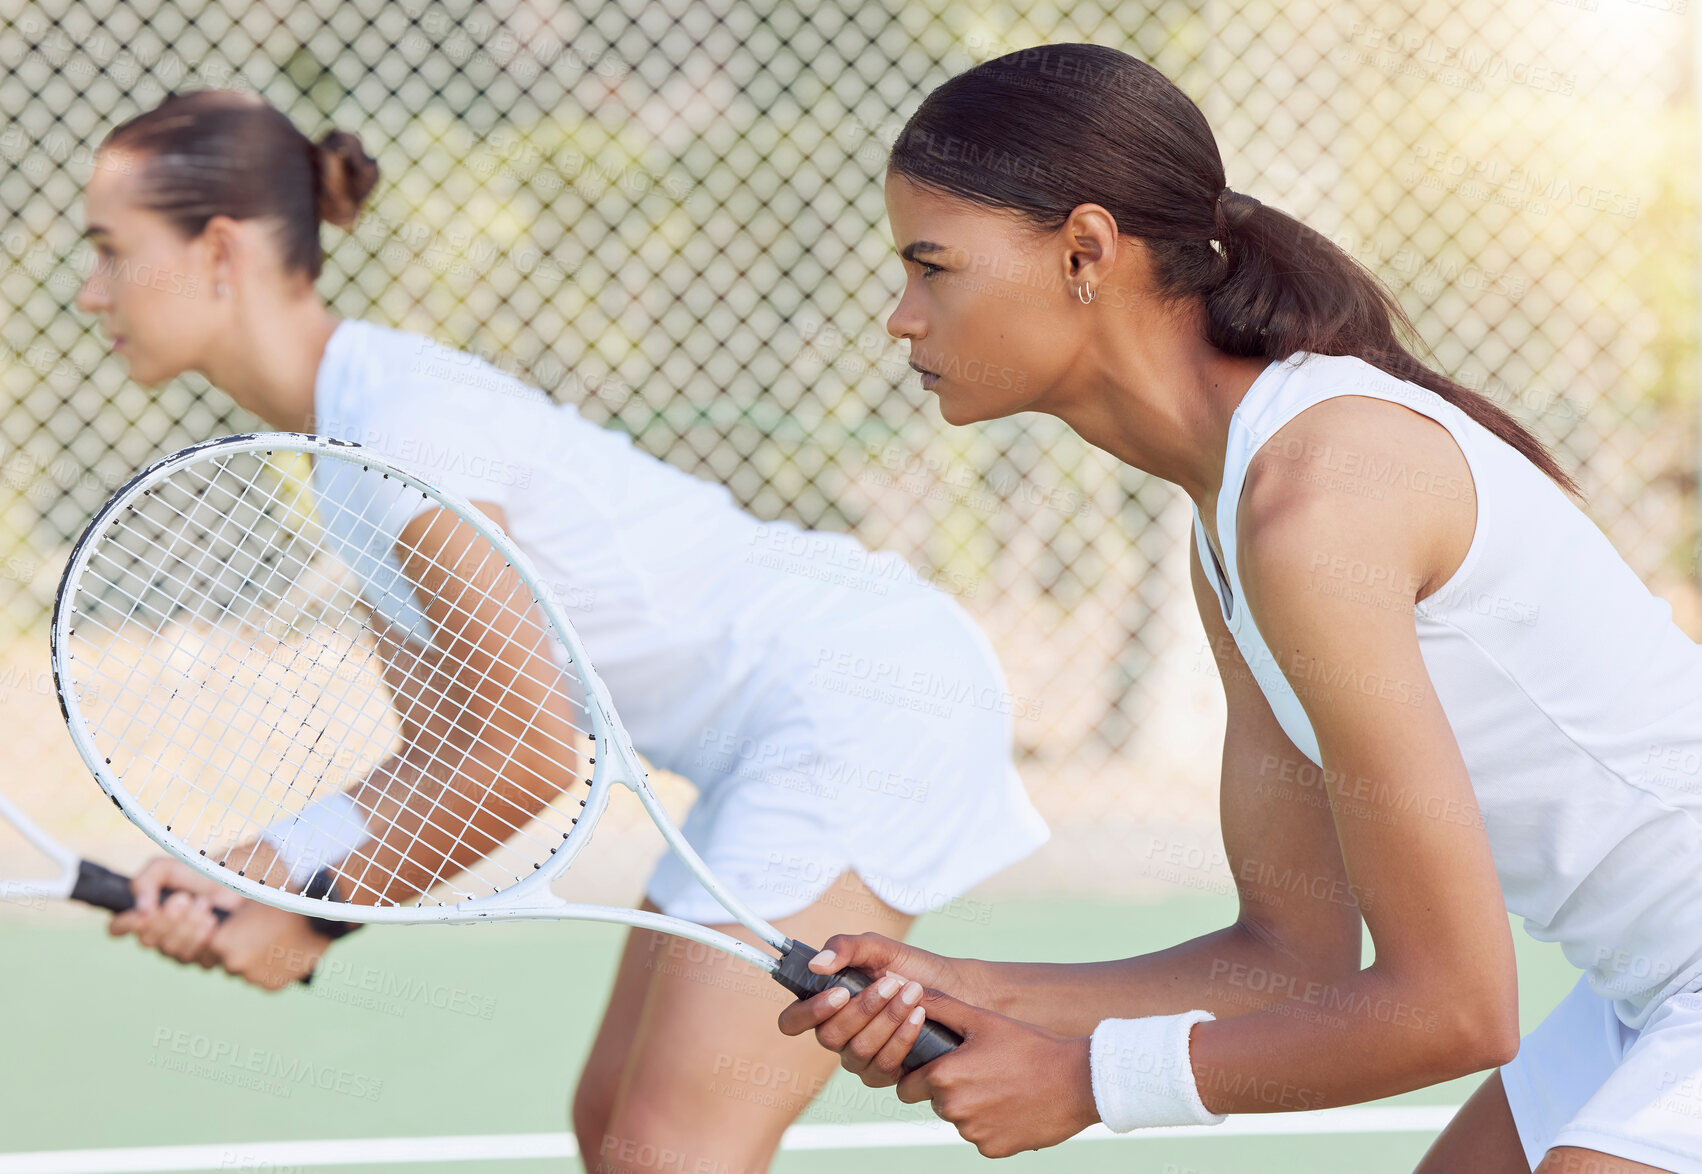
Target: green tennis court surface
{"x": 440, "y": 1031}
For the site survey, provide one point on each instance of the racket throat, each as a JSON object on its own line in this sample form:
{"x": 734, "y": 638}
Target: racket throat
{"x": 794, "y": 971}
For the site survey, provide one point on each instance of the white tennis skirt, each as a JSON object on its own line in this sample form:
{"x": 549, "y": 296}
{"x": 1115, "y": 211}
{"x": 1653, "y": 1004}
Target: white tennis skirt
{"x": 1583, "y": 1078}
{"x": 880, "y": 745}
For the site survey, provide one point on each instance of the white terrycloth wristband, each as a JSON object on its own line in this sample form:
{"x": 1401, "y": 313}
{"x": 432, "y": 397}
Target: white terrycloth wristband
{"x": 1141, "y": 1073}
{"x": 320, "y": 835}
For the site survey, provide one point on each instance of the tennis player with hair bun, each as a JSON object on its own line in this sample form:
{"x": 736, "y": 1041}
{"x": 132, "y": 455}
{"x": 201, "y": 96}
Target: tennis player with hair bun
{"x": 821, "y": 805}
{"x": 1494, "y": 717}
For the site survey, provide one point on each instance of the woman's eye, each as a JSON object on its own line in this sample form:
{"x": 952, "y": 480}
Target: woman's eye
{"x": 929, "y": 270}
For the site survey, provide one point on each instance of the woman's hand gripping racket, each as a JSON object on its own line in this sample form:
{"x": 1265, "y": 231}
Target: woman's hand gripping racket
{"x": 320, "y": 681}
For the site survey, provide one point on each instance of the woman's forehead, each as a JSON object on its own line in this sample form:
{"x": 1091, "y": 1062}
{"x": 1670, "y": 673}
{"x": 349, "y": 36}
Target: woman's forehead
{"x": 109, "y": 193}
{"x": 917, "y": 202}
{"x": 920, "y": 213}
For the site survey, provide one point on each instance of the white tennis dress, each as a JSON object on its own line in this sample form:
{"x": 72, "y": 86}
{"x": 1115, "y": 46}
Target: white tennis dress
{"x": 1577, "y": 706}
{"x": 835, "y": 711}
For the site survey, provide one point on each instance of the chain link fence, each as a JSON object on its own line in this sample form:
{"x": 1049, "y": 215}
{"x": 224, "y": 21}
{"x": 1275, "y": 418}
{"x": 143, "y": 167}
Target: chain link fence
{"x": 671, "y": 215}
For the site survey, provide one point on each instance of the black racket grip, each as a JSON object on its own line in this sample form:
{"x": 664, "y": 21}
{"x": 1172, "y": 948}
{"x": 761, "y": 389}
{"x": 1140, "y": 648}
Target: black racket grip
{"x": 103, "y": 888}
{"x": 100, "y": 886}
{"x": 795, "y": 975}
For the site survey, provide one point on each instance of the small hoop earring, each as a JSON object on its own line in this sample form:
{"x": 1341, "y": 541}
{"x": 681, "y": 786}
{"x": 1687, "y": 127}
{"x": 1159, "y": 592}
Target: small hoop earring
{"x": 1085, "y": 294}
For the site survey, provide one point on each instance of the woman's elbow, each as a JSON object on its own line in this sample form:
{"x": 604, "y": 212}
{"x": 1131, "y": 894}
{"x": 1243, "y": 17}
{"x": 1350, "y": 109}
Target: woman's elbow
{"x": 1480, "y": 1038}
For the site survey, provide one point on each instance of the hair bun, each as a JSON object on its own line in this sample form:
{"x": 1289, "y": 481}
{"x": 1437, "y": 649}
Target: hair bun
{"x": 346, "y": 176}
{"x": 1233, "y": 209}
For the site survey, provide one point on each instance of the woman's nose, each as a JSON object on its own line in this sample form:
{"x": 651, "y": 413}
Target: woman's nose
{"x": 91, "y": 295}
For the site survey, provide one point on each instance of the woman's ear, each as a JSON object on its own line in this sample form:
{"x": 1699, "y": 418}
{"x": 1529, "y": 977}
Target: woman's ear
{"x": 223, "y": 250}
{"x": 1090, "y": 242}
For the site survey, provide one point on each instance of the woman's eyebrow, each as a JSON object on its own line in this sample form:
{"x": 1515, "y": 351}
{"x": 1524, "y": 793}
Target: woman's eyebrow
{"x": 909, "y": 252}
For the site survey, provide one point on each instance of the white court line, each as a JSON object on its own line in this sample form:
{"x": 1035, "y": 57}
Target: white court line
{"x": 869, "y": 1135}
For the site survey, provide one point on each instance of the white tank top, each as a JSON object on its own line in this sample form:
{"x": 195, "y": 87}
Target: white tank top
{"x": 1575, "y": 699}
{"x": 679, "y": 595}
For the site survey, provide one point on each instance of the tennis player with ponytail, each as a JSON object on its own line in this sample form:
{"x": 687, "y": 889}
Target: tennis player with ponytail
{"x": 1448, "y": 696}
{"x": 734, "y": 645}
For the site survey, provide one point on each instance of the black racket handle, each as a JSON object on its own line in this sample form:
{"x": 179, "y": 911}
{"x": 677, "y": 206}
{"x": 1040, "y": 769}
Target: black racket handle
{"x": 103, "y": 888}
{"x": 796, "y": 976}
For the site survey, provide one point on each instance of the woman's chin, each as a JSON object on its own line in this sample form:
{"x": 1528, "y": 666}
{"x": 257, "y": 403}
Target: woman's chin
{"x": 146, "y": 374}
{"x": 967, "y": 411}
{"x": 956, "y": 411}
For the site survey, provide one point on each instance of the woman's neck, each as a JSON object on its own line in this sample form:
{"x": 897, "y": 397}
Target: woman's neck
{"x": 268, "y": 364}
{"x": 1161, "y": 403}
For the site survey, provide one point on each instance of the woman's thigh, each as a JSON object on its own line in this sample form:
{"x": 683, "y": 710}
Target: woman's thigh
{"x": 709, "y": 1081}
{"x": 1481, "y": 1139}
{"x": 599, "y": 1080}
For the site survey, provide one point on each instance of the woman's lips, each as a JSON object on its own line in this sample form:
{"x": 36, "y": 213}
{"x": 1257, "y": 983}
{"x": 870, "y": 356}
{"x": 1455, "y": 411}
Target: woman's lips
{"x": 928, "y": 377}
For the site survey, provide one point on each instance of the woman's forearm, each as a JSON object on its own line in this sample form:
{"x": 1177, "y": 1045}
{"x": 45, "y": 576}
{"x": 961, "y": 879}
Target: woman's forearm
{"x": 1230, "y": 972}
{"x": 1366, "y": 1037}
{"x": 414, "y": 803}
{"x": 1288, "y": 1036}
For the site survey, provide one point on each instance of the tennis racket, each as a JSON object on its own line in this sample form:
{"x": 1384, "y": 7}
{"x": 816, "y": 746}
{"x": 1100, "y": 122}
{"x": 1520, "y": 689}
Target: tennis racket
{"x": 77, "y": 878}
{"x": 74, "y": 879}
{"x": 300, "y": 669}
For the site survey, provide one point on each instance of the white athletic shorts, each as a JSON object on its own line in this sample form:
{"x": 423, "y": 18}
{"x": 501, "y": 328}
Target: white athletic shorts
{"x": 1583, "y": 1078}
{"x": 879, "y": 743}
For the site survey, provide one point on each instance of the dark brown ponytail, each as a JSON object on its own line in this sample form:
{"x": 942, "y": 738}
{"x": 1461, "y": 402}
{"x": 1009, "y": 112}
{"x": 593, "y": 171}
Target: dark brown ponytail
{"x": 1042, "y": 131}
{"x": 227, "y": 153}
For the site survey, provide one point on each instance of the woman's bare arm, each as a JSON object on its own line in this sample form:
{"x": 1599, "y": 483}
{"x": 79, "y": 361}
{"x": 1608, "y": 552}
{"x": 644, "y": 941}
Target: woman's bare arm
{"x": 1299, "y": 921}
{"x": 1440, "y": 1000}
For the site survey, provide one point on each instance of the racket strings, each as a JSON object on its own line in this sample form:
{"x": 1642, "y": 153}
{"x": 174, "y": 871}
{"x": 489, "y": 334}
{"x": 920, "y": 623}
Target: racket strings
{"x": 463, "y": 828}
{"x": 267, "y": 716}
{"x": 193, "y": 508}
{"x": 410, "y": 851}
{"x": 440, "y": 699}
{"x": 143, "y": 603}
{"x": 201, "y": 585}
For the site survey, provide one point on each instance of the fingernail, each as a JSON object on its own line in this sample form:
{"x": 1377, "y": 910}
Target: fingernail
{"x": 911, "y": 993}
{"x": 888, "y": 986}
{"x": 838, "y": 997}
{"x": 918, "y": 1015}
{"x": 824, "y": 961}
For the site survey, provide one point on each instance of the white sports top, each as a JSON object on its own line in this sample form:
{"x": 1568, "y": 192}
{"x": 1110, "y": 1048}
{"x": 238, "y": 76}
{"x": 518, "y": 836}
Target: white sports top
{"x": 678, "y": 594}
{"x": 1575, "y": 699}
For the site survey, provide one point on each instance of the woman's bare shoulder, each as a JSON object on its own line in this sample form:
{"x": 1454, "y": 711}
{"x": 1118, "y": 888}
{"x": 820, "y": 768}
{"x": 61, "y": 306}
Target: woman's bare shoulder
{"x": 1355, "y": 474}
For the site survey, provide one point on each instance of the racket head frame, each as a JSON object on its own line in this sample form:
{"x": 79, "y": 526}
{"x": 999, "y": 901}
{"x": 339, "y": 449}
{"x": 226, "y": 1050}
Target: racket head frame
{"x": 615, "y": 761}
